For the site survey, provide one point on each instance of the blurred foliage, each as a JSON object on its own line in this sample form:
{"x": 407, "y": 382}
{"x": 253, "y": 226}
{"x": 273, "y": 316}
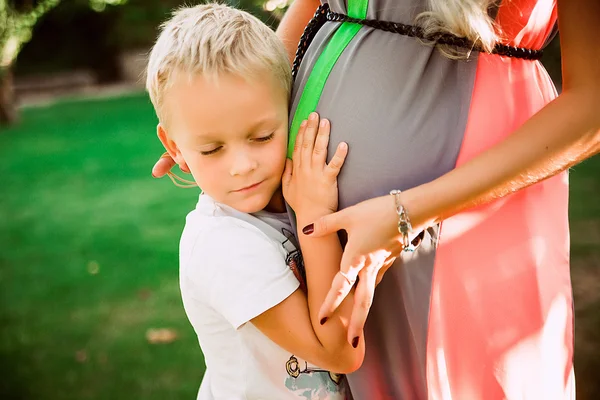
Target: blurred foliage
{"x": 73, "y": 36}
{"x": 79, "y": 37}
{"x": 137, "y": 23}
{"x": 18, "y": 19}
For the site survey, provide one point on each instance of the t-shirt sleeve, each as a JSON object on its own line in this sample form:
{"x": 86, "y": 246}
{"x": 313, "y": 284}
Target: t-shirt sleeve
{"x": 242, "y": 271}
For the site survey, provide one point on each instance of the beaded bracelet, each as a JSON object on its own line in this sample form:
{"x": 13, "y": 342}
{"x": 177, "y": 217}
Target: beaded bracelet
{"x": 404, "y": 225}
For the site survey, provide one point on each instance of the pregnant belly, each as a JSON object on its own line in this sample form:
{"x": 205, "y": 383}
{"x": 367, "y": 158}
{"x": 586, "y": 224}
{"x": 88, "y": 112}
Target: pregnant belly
{"x": 401, "y": 107}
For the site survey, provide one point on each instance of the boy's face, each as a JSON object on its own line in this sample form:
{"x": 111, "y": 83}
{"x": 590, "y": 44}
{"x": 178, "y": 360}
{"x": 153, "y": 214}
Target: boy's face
{"x": 232, "y": 135}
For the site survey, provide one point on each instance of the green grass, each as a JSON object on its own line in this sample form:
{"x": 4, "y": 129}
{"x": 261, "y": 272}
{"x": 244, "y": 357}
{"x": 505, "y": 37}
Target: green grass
{"x": 78, "y": 196}
{"x": 584, "y": 212}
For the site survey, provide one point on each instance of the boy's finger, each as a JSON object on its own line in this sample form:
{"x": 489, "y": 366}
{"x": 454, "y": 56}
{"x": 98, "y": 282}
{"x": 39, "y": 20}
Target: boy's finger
{"x": 298, "y": 145}
{"x": 337, "y": 161}
{"x": 308, "y": 142}
{"x": 321, "y": 143}
{"x": 287, "y": 173}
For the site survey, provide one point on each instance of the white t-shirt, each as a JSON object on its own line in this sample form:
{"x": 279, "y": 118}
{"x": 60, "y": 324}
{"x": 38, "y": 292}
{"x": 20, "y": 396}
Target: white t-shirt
{"x": 233, "y": 267}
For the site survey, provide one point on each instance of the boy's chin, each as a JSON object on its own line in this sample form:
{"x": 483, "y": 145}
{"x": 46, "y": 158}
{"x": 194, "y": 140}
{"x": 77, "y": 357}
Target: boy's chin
{"x": 269, "y": 202}
{"x": 252, "y": 204}
{"x": 250, "y": 208}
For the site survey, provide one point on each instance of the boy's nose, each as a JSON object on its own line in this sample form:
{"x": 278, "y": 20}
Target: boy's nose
{"x": 242, "y": 164}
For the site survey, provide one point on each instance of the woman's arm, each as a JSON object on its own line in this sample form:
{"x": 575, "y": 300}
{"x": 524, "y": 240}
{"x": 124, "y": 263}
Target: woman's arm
{"x": 562, "y": 134}
{"x": 292, "y": 25}
{"x": 310, "y": 187}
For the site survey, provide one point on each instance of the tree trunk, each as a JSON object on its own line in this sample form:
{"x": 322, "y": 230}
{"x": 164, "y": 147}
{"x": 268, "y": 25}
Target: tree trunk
{"x": 8, "y": 109}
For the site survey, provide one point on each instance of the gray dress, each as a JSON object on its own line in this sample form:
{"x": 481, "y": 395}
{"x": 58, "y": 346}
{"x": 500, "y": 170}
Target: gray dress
{"x": 405, "y": 110}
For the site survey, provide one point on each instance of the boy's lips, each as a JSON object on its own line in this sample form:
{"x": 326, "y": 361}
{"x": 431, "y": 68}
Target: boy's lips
{"x": 248, "y": 188}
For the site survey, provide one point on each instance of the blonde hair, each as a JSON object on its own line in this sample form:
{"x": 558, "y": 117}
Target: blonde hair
{"x": 463, "y": 18}
{"x": 212, "y": 39}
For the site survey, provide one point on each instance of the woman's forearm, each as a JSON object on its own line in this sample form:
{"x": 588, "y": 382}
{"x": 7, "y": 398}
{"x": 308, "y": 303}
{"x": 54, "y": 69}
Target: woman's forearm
{"x": 292, "y": 25}
{"x": 562, "y": 134}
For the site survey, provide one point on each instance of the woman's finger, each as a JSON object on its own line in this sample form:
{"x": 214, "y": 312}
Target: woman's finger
{"x": 308, "y": 142}
{"x": 184, "y": 168}
{"x": 162, "y": 166}
{"x": 328, "y": 224}
{"x": 386, "y": 265}
{"x": 340, "y": 287}
{"x": 363, "y": 299}
{"x": 337, "y": 161}
{"x": 319, "y": 157}
{"x": 298, "y": 145}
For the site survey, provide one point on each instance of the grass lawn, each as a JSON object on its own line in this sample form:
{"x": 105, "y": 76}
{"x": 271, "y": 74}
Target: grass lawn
{"x": 88, "y": 259}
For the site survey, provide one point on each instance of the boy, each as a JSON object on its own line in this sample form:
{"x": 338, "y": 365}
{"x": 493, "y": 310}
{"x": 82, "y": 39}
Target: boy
{"x": 219, "y": 80}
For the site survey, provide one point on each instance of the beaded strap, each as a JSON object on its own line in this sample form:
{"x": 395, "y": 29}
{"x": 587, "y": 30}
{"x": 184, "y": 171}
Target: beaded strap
{"x": 324, "y": 14}
{"x": 309, "y": 33}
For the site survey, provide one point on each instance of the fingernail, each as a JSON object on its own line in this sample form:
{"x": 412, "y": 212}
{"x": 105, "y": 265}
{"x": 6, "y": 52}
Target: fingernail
{"x": 313, "y": 116}
{"x": 323, "y": 320}
{"x": 308, "y": 229}
{"x": 303, "y": 124}
{"x": 323, "y": 123}
{"x": 355, "y": 342}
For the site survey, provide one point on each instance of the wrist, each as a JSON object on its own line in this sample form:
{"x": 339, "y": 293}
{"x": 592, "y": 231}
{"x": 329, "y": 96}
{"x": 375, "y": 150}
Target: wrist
{"x": 310, "y": 215}
{"x": 415, "y": 203}
{"x": 390, "y": 218}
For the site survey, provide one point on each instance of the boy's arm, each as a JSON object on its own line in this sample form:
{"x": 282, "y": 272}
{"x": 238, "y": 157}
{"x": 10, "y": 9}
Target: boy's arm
{"x": 292, "y": 25}
{"x": 311, "y": 190}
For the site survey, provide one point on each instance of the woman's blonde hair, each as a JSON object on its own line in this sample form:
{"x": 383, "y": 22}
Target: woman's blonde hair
{"x": 463, "y": 18}
{"x": 212, "y": 39}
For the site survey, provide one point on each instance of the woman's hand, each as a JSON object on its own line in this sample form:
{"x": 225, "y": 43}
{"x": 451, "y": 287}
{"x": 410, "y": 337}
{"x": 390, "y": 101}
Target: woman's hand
{"x": 309, "y": 183}
{"x": 373, "y": 243}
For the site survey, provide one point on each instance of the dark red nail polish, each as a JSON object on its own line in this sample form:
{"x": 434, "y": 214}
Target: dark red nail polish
{"x": 355, "y": 342}
{"x": 323, "y": 320}
{"x": 308, "y": 229}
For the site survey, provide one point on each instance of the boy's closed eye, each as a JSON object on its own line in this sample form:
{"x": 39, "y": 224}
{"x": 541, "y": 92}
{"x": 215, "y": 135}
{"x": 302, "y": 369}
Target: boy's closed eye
{"x": 265, "y": 138}
{"x": 209, "y": 152}
{"x": 261, "y": 139}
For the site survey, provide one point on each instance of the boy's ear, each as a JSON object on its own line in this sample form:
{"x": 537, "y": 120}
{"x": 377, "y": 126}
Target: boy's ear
{"x": 171, "y": 147}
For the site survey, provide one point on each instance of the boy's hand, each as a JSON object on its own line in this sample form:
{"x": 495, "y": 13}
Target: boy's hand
{"x": 309, "y": 183}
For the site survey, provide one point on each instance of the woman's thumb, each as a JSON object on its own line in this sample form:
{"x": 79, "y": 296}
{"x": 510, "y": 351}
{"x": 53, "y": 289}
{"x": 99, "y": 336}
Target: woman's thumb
{"x": 325, "y": 225}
